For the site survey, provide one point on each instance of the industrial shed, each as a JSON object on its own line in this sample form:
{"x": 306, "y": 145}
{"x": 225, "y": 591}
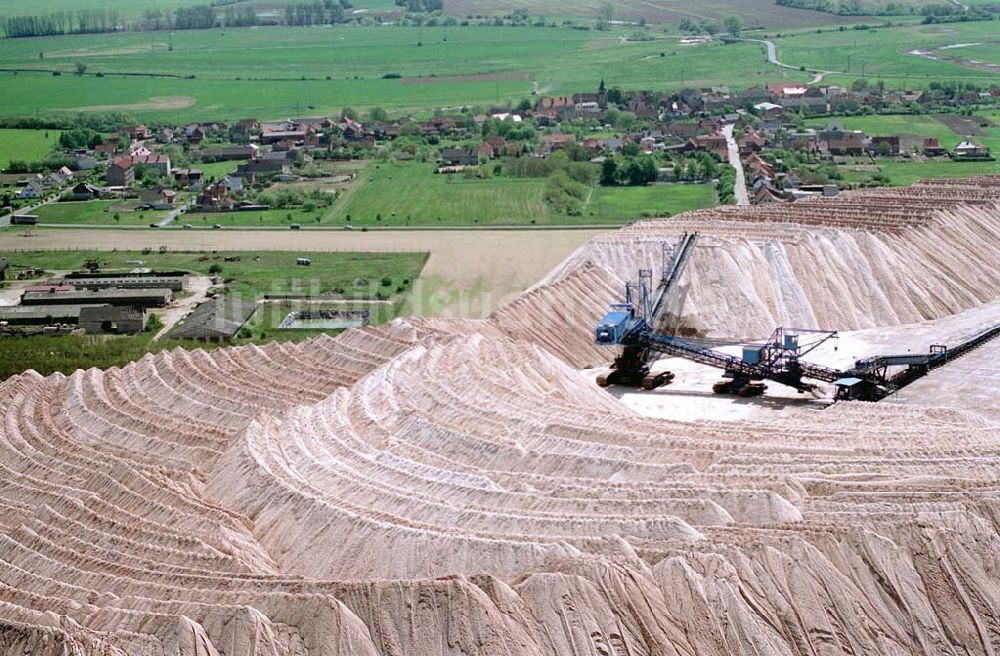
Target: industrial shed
{"x": 218, "y": 320}
{"x": 173, "y": 283}
{"x": 40, "y": 315}
{"x": 115, "y": 319}
{"x": 173, "y": 280}
{"x": 137, "y": 297}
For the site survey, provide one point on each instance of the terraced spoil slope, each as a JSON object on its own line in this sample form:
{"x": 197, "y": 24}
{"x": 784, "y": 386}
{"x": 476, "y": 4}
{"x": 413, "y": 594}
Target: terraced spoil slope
{"x": 461, "y": 487}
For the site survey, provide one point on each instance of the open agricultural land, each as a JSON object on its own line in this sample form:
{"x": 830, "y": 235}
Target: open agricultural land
{"x": 25, "y": 144}
{"x": 208, "y": 75}
{"x": 902, "y": 55}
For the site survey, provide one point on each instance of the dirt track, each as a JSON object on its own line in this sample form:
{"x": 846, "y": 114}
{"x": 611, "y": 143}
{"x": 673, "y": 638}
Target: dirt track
{"x": 469, "y": 273}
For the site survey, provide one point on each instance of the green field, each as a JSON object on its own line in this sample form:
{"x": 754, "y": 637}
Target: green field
{"x": 29, "y": 145}
{"x": 233, "y": 77}
{"x": 924, "y": 126}
{"x": 96, "y": 212}
{"x": 215, "y": 170}
{"x": 411, "y": 194}
{"x": 906, "y": 172}
{"x": 614, "y": 204}
{"x": 250, "y": 219}
{"x": 755, "y": 13}
{"x": 988, "y": 52}
{"x": 884, "y": 53}
{"x": 255, "y": 274}
{"x": 412, "y": 191}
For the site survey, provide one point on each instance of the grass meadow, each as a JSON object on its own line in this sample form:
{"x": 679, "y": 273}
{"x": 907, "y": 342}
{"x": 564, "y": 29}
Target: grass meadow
{"x": 96, "y": 212}
{"x": 255, "y": 274}
{"x": 619, "y": 204}
{"x": 28, "y": 145}
{"x": 410, "y": 193}
{"x": 884, "y": 53}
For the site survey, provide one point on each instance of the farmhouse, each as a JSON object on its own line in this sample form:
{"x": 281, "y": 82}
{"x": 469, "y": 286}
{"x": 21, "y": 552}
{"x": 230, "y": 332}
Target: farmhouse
{"x": 283, "y": 135}
{"x": 159, "y": 164}
{"x": 215, "y": 197}
{"x": 970, "y": 149}
{"x": 138, "y": 150}
{"x": 460, "y": 156}
{"x": 194, "y": 134}
{"x": 33, "y": 189}
{"x": 188, "y": 177}
{"x": 229, "y": 153}
{"x": 244, "y": 130}
{"x": 263, "y": 167}
{"x": 845, "y": 143}
{"x": 350, "y": 130}
{"x": 770, "y": 110}
{"x": 751, "y": 142}
{"x": 933, "y": 148}
{"x": 713, "y": 143}
{"x": 139, "y": 132}
{"x": 158, "y": 199}
{"x": 232, "y": 184}
{"x": 886, "y": 145}
{"x": 85, "y": 191}
{"x": 121, "y": 172}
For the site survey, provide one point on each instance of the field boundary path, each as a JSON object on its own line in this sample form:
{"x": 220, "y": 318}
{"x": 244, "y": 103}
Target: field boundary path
{"x": 197, "y": 286}
{"x": 170, "y": 218}
{"x": 740, "y": 186}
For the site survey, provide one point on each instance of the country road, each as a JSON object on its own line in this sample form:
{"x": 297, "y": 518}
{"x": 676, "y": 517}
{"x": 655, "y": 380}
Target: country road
{"x": 5, "y": 219}
{"x": 740, "y": 188}
{"x": 772, "y": 57}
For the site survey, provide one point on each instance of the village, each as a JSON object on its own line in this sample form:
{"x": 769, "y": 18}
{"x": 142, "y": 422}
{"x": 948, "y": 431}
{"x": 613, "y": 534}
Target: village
{"x": 791, "y": 139}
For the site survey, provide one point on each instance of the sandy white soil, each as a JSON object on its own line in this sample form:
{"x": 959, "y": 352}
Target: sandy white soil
{"x": 457, "y": 486}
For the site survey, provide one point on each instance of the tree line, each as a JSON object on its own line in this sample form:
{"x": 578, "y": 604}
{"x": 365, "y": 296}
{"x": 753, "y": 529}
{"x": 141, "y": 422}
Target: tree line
{"x": 326, "y": 12}
{"x": 86, "y": 21}
{"x": 317, "y": 12}
{"x": 941, "y": 11}
{"x": 421, "y": 5}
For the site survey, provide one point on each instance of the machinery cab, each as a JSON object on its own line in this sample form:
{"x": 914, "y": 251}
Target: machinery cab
{"x": 614, "y": 326}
